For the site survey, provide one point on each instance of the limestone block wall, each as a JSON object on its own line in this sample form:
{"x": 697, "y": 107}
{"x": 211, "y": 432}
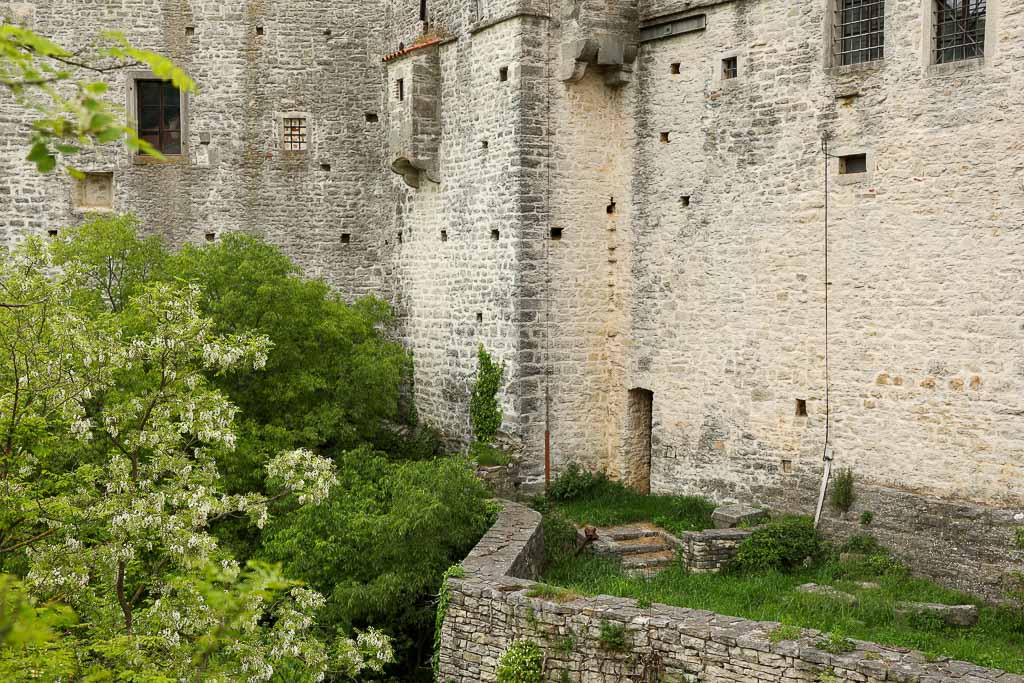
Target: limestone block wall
{"x": 727, "y": 315}
{"x": 253, "y": 62}
{"x": 490, "y": 609}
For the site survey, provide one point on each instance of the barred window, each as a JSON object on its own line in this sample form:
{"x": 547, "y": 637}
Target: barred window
{"x": 959, "y": 30}
{"x": 295, "y": 135}
{"x": 730, "y": 68}
{"x": 859, "y": 32}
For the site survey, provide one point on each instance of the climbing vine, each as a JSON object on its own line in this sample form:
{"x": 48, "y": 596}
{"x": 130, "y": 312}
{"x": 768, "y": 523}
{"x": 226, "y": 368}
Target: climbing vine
{"x": 444, "y": 595}
{"x": 484, "y": 410}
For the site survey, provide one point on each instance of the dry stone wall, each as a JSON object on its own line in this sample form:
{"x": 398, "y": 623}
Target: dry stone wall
{"x": 490, "y": 608}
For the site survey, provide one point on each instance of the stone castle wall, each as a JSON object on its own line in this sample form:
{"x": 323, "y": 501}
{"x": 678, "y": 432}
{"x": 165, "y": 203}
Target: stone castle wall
{"x": 490, "y": 608}
{"x": 689, "y": 214}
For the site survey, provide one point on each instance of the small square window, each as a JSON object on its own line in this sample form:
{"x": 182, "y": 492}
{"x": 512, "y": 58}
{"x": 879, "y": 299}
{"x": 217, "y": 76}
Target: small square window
{"x": 853, "y": 163}
{"x": 685, "y": 200}
{"x": 730, "y": 68}
{"x": 52, "y": 232}
{"x": 479, "y": 317}
{"x": 556, "y": 234}
{"x": 675, "y": 69}
{"x": 503, "y": 74}
{"x": 190, "y": 31}
{"x": 801, "y": 407}
{"x": 400, "y": 89}
{"x": 444, "y": 235}
{"x": 346, "y": 238}
{"x": 211, "y": 237}
{"x": 259, "y": 30}
{"x": 495, "y": 235}
{"x": 295, "y": 134}
{"x": 665, "y": 136}
{"x": 372, "y": 118}
{"x": 325, "y": 167}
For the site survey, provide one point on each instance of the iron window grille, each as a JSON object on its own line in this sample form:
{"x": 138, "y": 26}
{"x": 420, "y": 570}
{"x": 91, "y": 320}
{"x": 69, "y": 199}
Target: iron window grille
{"x": 859, "y": 32}
{"x": 159, "y": 113}
{"x": 959, "y": 30}
{"x": 295, "y": 135}
{"x": 730, "y": 68}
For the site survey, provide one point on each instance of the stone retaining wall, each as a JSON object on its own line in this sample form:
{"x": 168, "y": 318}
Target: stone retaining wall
{"x": 490, "y": 608}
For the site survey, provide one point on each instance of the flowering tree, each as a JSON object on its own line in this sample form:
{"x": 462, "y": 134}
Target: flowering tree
{"x": 108, "y": 485}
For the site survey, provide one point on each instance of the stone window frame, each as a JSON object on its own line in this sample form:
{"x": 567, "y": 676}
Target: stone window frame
{"x": 279, "y": 120}
{"x": 718, "y": 79}
{"x": 867, "y": 177}
{"x": 831, "y": 63}
{"x": 132, "y": 109}
{"x": 928, "y": 41}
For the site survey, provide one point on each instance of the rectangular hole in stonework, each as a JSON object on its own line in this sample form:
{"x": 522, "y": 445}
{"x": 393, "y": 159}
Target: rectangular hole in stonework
{"x": 665, "y": 137}
{"x": 346, "y": 238}
{"x": 325, "y": 167}
{"x": 485, "y": 144}
{"x": 371, "y": 118}
{"x": 479, "y": 317}
{"x": 556, "y": 233}
{"x": 400, "y": 89}
{"x": 610, "y": 209}
{"x": 685, "y": 200}
{"x": 853, "y": 163}
{"x": 801, "y": 408}
{"x": 444, "y": 235}
{"x": 190, "y": 31}
{"x": 399, "y": 237}
{"x": 675, "y": 68}
{"x": 503, "y": 74}
{"x": 259, "y": 30}
{"x": 495, "y": 235}
{"x": 787, "y": 466}
{"x": 211, "y": 237}
{"x": 51, "y": 233}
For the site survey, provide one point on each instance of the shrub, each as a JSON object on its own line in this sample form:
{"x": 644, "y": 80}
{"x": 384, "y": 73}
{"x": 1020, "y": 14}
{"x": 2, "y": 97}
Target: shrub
{"x": 522, "y": 662}
{"x": 574, "y": 482}
{"x": 863, "y": 544}
{"x": 835, "y": 643}
{"x": 559, "y": 537}
{"x": 1019, "y": 537}
{"x": 613, "y": 637}
{"x": 784, "y": 632}
{"x": 484, "y": 409}
{"x": 783, "y": 544}
{"x": 841, "y": 493}
{"x": 866, "y": 518}
{"x": 488, "y": 456}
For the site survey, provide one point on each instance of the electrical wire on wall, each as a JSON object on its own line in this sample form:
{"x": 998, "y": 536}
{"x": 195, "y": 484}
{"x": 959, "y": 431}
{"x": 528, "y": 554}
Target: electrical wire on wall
{"x": 827, "y": 454}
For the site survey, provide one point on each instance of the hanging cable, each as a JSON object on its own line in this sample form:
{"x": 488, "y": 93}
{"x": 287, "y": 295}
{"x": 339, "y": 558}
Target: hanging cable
{"x": 827, "y": 454}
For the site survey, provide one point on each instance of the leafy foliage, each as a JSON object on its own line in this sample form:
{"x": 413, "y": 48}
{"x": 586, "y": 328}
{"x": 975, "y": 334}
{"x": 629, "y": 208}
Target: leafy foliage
{"x": 522, "y": 662}
{"x": 484, "y": 409}
{"x": 1018, "y": 537}
{"x": 574, "y": 483}
{"x": 444, "y": 596}
{"x": 783, "y": 544}
{"x": 841, "y": 492}
{"x": 866, "y": 518}
{"x": 835, "y": 643}
{"x": 613, "y": 637}
{"x": 71, "y": 112}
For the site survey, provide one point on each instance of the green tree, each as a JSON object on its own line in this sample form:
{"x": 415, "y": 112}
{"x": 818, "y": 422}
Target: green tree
{"x": 484, "y": 409}
{"x": 69, "y": 109}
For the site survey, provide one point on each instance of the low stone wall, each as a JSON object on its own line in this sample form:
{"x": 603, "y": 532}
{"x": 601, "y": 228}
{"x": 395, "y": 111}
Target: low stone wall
{"x": 707, "y": 552}
{"x": 490, "y": 608}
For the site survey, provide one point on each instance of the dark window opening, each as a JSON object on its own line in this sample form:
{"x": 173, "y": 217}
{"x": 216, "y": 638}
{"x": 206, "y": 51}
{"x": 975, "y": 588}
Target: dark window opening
{"x": 853, "y": 163}
{"x": 787, "y": 466}
{"x": 959, "y": 29}
{"x": 423, "y": 11}
{"x": 556, "y": 233}
{"x": 399, "y": 237}
{"x": 859, "y": 31}
{"x": 495, "y": 235}
{"x": 503, "y": 74}
{"x": 479, "y": 317}
{"x": 159, "y": 112}
{"x": 730, "y": 68}
{"x": 51, "y": 232}
{"x": 801, "y": 407}
{"x": 372, "y": 118}
{"x": 665, "y": 137}
{"x": 259, "y": 30}
{"x": 190, "y": 31}
{"x": 325, "y": 167}
{"x": 685, "y": 200}
{"x": 346, "y": 238}
{"x": 327, "y": 31}
{"x": 211, "y": 237}
{"x": 610, "y": 209}
{"x": 444, "y": 235}
{"x": 485, "y": 144}
{"x": 675, "y": 69}
{"x": 400, "y": 89}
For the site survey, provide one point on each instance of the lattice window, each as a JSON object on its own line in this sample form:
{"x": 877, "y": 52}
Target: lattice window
{"x": 159, "y": 111}
{"x": 730, "y": 68}
{"x": 859, "y": 32}
{"x": 959, "y": 30}
{"x": 295, "y": 135}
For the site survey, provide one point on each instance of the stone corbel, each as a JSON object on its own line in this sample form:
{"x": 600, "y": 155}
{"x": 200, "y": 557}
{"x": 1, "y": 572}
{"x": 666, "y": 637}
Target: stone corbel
{"x": 614, "y": 55}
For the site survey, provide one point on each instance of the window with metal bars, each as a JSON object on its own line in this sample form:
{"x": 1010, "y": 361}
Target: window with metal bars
{"x": 159, "y": 113}
{"x": 295, "y": 135}
{"x": 859, "y": 32}
{"x": 959, "y": 30}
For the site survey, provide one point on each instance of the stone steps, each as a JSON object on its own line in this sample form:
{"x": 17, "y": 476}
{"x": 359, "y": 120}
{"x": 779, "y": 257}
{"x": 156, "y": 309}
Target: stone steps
{"x": 643, "y": 549}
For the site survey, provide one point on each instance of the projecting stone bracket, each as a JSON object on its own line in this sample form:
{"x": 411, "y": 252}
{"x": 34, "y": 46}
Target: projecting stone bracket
{"x": 614, "y": 56}
{"x": 410, "y": 172}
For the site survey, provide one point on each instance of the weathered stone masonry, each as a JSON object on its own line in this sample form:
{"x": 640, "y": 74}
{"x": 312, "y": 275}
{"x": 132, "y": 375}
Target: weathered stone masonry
{"x": 489, "y": 609}
{"x": 577, "y": 186}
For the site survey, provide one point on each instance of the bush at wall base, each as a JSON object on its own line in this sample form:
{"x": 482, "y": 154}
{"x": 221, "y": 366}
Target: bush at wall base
{"x": 522, "y": 662}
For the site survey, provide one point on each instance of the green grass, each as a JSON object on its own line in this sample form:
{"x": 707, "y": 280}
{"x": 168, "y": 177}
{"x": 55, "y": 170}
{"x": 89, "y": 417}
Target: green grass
{"x": 997, "y": 641}
{"x": 488, "y": 456}
{"x": 610, "y": 503}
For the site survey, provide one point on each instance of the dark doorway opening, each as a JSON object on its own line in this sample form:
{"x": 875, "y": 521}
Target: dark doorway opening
{"x": 639, "y": 422}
